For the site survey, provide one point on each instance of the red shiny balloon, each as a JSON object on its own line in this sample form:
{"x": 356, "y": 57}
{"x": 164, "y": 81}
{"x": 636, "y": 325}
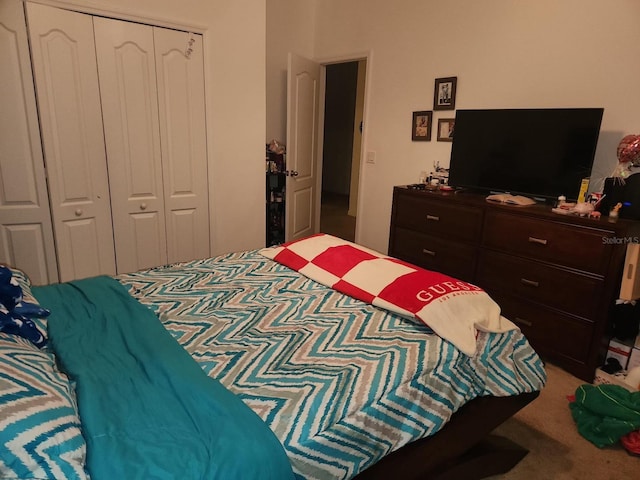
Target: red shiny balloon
{"x": 629, "y": 149}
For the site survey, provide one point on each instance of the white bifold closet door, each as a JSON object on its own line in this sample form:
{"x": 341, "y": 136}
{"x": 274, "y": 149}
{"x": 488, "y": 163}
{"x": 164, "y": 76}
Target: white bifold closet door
{"x": 135, "y": 92}
{"x": 154, "y": 120}
{"x": 66, "y": 77}
{"x": 127, "y": 71}
{"x": 26, "y": 235}
{"x": 184, "y": 148}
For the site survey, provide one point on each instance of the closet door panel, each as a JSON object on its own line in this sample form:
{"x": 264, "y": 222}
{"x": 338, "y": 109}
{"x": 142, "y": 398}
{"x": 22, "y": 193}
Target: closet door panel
{"x": 65, "y": 70}
{"x": 150, "y": 247}
{"x": 181, "y": 102}
{"x": 127, "y": 72}
{"x": 184, "y": 226}
{"x": 26, "y": 233}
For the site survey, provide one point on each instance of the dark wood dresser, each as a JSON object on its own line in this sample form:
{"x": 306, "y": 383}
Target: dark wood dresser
{"x": 556, "y": 276}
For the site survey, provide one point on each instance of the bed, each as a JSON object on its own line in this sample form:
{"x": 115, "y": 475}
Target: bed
{"x": 313, "y": 383}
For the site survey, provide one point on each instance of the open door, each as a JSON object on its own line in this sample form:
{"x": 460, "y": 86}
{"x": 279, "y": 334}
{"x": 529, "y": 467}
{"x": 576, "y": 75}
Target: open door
{"x": 303, "y": 86}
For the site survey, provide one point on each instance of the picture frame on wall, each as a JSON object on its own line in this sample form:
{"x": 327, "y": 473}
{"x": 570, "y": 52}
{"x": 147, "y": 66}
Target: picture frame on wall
{"x": 445, "y": 129}
{"x": 444, "y": 95}
{"x": 421, "y": 126}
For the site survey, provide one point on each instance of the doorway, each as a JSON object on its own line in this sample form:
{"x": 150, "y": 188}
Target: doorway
{"x": 342, "y": 141}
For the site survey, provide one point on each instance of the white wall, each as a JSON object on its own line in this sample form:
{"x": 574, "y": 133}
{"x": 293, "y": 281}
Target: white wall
{"x": 505, "y": 53}
{"x": 234, "y": 35}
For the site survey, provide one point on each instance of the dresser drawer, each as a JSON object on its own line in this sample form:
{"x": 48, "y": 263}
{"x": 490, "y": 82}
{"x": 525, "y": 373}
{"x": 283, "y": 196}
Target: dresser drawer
{"x": 451, "y": 258}
{"x": 573, "y": 246}
{"x": 549, "y": 332}
{"x": 438, "y": 218}
{"x": 556, "y": 287}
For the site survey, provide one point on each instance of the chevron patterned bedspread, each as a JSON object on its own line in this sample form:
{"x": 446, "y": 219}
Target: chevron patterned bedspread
{"x": 340, "y": 382}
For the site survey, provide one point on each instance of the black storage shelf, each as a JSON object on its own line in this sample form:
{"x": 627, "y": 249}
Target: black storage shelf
{"x": 275, "y": 202}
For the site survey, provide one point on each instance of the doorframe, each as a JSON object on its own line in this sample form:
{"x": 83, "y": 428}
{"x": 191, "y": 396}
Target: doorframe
{"x": 324, "y": 62}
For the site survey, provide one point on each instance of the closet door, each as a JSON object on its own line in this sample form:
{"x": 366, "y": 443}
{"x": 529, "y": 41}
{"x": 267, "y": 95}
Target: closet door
{"x": 26, "y": 235}
{"x": 127, "y": 72}
{"x": 65, "y": 70}
{"x": 181, "y": 100}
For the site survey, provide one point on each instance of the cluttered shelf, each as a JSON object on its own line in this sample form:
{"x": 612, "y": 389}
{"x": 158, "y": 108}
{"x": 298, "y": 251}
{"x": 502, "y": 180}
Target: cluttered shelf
{"x": 275, "y": 194}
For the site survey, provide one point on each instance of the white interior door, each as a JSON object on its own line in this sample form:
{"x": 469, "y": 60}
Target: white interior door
{"x": 127, "y": 72}
{"x": 181, "y": 102}
{"x": 65, "y": 70}
{"x": 26, "y": 235}
{"x": 303, "y": 81}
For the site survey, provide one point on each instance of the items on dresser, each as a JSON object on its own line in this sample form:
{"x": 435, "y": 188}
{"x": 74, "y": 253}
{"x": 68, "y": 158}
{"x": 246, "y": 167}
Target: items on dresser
{"x": 556, "y": 276}
{"x": 509, "y": 199}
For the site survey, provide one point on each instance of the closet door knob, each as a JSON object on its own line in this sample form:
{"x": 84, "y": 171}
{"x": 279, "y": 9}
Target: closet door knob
{"x": 78, "y": 212}
{"x": 143, "y": 206}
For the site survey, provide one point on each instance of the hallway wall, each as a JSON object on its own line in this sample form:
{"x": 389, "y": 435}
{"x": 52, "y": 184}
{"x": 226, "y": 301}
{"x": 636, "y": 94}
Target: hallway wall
{"x": 340, "y": 104}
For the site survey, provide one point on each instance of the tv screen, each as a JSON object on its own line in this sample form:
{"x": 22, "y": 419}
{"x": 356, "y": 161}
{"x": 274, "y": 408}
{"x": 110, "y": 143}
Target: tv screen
{"x": 539, "y": 153}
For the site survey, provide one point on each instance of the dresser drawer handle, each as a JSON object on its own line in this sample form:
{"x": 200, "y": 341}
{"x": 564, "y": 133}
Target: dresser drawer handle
{"x": 524, "y": 322}
{"x": 530, "y": 283}
{"x": 428, "y": 252}
{"x": 541, "y": 241}
{"x": 433, "y": 217}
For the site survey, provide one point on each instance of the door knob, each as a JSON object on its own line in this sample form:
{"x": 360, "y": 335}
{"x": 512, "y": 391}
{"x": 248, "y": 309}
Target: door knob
{"x": 143, "y": 206}
{"x": 78, "y": 212}
{"x": 294, "y": 173}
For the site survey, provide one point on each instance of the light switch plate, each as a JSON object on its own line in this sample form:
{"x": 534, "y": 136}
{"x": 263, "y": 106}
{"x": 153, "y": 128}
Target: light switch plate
{"x": 371, "y": 158}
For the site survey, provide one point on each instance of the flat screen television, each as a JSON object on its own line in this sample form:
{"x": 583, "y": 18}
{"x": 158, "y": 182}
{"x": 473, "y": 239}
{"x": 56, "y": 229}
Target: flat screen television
{"x": 539, "y": 153}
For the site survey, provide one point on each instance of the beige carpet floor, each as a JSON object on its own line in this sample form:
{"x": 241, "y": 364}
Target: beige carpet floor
{"x": 556, "y": 449}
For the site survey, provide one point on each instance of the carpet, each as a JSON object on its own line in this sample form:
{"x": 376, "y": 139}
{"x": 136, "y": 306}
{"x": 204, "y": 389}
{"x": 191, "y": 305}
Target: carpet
{"x": 556, "y": 449}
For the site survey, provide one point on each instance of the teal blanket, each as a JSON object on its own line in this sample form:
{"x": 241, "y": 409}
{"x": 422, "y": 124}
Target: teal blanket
{"x": 147, "y": 409}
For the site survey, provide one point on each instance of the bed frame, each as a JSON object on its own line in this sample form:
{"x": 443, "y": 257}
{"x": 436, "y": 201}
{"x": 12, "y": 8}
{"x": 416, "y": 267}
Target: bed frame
{"x": 463, "y": 449}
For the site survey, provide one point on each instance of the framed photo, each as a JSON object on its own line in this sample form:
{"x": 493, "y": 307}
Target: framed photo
{"x": 445, "y": 129}
{"x": 421, "y": 126}
{"x": 444, "y": 95}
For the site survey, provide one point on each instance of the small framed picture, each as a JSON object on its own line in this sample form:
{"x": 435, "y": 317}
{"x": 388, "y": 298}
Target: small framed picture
{"x": 445, "y": 129}
{"x": 444, "y": 95}
{"x": 421, "y": 126}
